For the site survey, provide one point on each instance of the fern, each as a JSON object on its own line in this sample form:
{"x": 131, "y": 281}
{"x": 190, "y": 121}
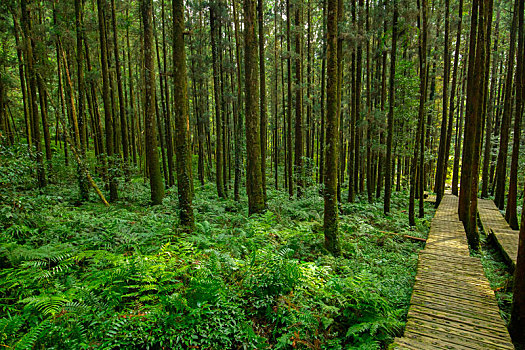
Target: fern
{"x": 47, "y": 305}
{"x": 9, "y": 327}
{"x": 29, "y": 339}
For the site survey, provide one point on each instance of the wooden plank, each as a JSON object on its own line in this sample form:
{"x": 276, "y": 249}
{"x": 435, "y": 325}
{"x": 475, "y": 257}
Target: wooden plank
{"x": 467, "y": 310}
{"x": 457, "y": 336}
{"x": 442, "y": 293}
{"x": 463, "y": 326}
{"x": 462, "y": 319}
{"x": 452, "y": 305}
{"x": 435, "y": 343}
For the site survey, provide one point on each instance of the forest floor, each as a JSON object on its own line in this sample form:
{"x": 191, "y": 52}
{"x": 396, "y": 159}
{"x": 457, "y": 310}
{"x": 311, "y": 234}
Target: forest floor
{"x": 82, "y": 276}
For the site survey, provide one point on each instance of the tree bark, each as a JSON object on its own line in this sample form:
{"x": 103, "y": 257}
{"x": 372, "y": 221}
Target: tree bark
{"x": 152, "y": 155}
{"x": 512, "y": 198}
{"x": 439, "y": 188}
{"x": 262, "y": 89}
{"x": 501, "y": 167}
{"x": 517, "y": 317}
{"x": 332, "y": 134}
{"x": 299, "y": 139}
{"x": 108, "y": 115}
{"x": 390, "y": 127}
{"x": 31, "y": 87}
{"x": 219, "y": 176}
{"x": 182, "y": 120}
{"x": 253, "y": 138}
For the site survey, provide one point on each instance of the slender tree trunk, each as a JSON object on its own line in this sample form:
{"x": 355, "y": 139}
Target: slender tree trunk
{"x": 31, "y": 87}
{"x": 167, "y": 116}
{"x": 381, "y": 160}
{"x": 332, "y": 134}
{"x": 357, "y": 96}
{"x": 182, "y": 121}
{"x": 323, "y": 87}
{"x": 275, "y": 141}
{"x": 122, "y": 107}
{"x": 489, "y": 115}
{"x": 418, "y": 148}
{"x": 108, "y": 115}
{"x": 501, "y": 167}
{"x": 289, "y": 110}
{"x": 341, "y": 148}
{"x": 237, "y": 118}
{"x": 152, "y": 155}
{"x": 218, "y": 115}
{"x": 262, "y": 89}
{"x": 253, "y": 138}
{"x": 517, "y": 317}
{"x": 511, "y": 214}
{"x": 299, "y": 139}
{"x": 440, "y": 167}
{"x": 390, "y": 127}
{"x": 352, "y": 181}
{"x": 23, "y": 82}
{"x": 482, "y": 46}
{"x": 457, "y": 144}
{"x": 79, "y": 23}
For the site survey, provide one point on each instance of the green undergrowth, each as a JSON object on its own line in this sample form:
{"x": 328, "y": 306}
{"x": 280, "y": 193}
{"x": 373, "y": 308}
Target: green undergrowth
{"x": 498, "y": 273}
{"x": 85, "y": 276}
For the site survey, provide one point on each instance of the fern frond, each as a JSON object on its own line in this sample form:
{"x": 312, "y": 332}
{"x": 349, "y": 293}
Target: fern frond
{"x": 47, "y": 305}
{"x": 29, "y": 339}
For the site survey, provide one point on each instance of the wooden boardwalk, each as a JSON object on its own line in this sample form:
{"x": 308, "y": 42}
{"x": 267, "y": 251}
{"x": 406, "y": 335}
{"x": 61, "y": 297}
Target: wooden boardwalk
{"x": 452, "y": 305}
{"x": 495, "y": 225}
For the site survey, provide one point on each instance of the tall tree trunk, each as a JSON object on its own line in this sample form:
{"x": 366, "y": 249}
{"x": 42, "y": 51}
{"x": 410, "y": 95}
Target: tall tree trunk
{"x": 262, "y": 89}
{"x": 299, "y": 142}
{"x": 121, "y": 102}
{"x": 253, "y": 138}
{"x": 341, "y": 148}
{"x": 517, "y": 317}
{"x": 458, "y": 140}
{"x": 357, "y": 96}
{"x": 275, "y": 141}
{"x": 218, "y": 105}
{"x": 440, "y": 167}
{"x": 167, "y": 116}
{"x": 289, "y": 159}
{"x": 79, "y": 23}
{"x": 482, "y": 46}
{"x": 23, "y": 82}
{"x": 381, "y": 160}
{"x": 323, "y": 86}
{"x": 332, "y": 134}
{"x": 31, "y": 87}
{"x": 511, "y": 214}
{"x": 489, "y": 115}
{"x": 453, "y": 93}
{"x": 131, "y": 100}
{"x": 237, "y": 118}
{"x": 108, "y": 115}
{"x": 418, "y": 149}
{"x": 152, "y": 155}
{"x": 390, "y": 127}
{"x": 352, "y": 181}
{"x": 182, "y": 120}
{"x": 501, "y": 167}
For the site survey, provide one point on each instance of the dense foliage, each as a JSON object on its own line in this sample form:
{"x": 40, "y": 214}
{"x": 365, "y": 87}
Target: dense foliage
{"x": 86, "y": 276}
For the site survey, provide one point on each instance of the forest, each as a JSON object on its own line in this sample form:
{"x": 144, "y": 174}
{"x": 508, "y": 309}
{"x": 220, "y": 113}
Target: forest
{"x": 262, "y": 174}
